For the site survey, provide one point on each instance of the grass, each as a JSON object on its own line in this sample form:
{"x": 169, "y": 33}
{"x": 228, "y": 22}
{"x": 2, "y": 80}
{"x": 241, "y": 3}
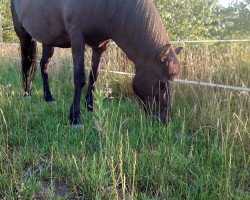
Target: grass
{"x": 202, "y": 154}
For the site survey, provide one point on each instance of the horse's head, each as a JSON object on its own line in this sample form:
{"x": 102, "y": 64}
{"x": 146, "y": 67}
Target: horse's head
{"x": 152, "y": 82}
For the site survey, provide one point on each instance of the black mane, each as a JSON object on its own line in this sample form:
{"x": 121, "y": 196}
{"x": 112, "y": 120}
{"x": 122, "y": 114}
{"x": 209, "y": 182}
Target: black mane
{"x": 141, "y": 23}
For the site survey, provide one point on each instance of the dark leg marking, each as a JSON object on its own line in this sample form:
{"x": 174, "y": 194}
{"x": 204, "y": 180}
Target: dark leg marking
{"x": 78, "y": 47}
{"x": 44, "y": 64}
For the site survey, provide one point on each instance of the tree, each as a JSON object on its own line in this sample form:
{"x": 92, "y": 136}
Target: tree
{"x": 235, "y": 20}
{"x": 8, "y": 32}
{"x": 205, "y": 19}
{"x": 188, "y": 19}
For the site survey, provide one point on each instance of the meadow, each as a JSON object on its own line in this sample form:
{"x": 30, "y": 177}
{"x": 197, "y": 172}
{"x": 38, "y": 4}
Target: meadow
{"x": 204, "y": 153}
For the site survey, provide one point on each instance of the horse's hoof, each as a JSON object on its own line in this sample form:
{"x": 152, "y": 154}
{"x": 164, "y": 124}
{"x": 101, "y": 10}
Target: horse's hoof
{"x": 90, "y": 109}
{"x": 27, "y": 94}
{"x": 49, "y": 99}
{"x": 27, "y": 98}
{"x": 77, "y": 126}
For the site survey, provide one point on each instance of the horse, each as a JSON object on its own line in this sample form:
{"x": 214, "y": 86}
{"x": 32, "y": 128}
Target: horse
{"x": 134, "y": 25}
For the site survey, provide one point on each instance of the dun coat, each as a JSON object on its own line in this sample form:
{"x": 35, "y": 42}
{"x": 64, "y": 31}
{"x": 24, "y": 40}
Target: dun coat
{"x": 134, "y": 25}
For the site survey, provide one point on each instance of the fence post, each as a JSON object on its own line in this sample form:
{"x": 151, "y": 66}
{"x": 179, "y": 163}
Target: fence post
{"x": 1, "y": 28}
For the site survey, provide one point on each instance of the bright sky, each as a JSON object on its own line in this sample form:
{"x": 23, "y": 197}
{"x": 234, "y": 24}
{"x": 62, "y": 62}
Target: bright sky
{"x": 225, "y": 3}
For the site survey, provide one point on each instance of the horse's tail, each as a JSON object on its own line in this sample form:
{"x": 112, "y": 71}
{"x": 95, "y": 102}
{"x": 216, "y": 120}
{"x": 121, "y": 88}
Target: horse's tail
{"x": 33, "y": 57}
{"x": 21, "y": 33}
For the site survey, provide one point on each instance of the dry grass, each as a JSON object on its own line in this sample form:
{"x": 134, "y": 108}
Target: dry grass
{"x": 202, "y": 154}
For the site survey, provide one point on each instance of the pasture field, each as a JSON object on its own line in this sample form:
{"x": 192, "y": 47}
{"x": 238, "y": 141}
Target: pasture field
{"x": 204, "y": 153}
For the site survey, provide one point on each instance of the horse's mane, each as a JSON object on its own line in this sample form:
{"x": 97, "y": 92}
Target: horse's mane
{"x": 141, "y": 22}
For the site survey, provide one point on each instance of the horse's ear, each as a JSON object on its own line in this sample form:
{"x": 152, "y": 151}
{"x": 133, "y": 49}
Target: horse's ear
{"x": 178, "y": 50}
{"x": 164, "y": 52}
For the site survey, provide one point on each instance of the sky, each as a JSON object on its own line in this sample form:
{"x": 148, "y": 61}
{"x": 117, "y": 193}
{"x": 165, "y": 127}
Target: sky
{"x": 225, "y": 3}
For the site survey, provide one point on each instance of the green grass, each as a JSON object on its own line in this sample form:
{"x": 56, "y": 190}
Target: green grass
{"x": 202, "y": 154}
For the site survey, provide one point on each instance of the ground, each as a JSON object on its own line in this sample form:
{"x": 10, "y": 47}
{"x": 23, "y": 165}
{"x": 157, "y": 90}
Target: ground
{"x": 202, "y": 154}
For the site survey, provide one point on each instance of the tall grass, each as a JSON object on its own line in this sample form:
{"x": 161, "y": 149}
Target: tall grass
{"x": 202, "y": 154}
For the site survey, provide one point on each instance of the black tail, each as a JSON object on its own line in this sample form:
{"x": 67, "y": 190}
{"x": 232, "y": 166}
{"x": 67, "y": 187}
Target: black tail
{"x": 28, "y": 50}
{"x": 33, "y": 57}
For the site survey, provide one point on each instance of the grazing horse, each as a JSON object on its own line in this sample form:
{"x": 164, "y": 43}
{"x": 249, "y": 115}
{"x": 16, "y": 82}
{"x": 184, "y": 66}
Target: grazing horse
{"x": 135, "y": 26}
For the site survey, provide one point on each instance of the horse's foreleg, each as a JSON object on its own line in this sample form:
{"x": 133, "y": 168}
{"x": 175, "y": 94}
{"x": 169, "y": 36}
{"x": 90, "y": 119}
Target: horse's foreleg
{"x": 78, "y": 47}
{"x": 44, "y": 64}
{"x": 93, "y": 75}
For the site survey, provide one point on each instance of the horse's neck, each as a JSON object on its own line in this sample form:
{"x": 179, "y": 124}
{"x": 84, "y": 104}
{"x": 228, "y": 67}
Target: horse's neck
{"x": 141, "y": 38}
{"x": 129, "y": 48}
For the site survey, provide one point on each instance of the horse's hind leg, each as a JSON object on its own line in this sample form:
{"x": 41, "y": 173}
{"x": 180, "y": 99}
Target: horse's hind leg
{"x": 93, "y": 75}
{"x": 44, "y": 64}
{"x": 28, "y": 53}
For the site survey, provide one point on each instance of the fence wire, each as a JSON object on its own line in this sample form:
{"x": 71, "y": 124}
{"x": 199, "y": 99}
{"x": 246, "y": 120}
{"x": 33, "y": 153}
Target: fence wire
{"x": 219, "y": 66}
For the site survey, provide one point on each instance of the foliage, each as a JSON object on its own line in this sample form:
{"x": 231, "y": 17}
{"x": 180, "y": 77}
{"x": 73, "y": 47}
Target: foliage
{"x": 8, "y": 32}
{"x": 188, "y": 19}
{"x": 235, "y": 20}
{"x": 195, "y": 19}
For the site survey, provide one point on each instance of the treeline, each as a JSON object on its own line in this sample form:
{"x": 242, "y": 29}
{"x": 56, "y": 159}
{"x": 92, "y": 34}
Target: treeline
{"x": 184, "y": 19}
{"x": 205, "y": 19}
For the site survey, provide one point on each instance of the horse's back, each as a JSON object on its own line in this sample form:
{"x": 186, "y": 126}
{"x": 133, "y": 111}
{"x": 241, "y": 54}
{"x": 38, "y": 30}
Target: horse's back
{"x": 49, "y": 21}
{"x": 43, "y": 20}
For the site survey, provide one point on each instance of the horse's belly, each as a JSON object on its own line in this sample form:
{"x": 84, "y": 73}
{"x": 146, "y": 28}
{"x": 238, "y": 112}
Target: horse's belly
{"x": 56, "y": 39}
{"x": 60, "y": 39}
